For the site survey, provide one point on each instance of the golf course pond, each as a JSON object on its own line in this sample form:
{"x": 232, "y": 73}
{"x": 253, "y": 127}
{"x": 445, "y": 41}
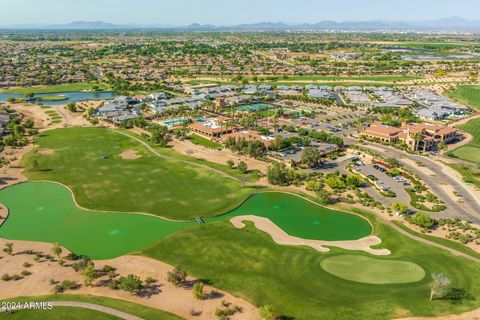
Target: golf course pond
{"x": 45, "y": 211}
{"x": 66, "y": 97}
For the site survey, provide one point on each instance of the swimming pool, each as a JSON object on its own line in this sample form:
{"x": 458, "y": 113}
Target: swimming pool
{"x": 179, "y": 121}
{"x": 254, "y": 107}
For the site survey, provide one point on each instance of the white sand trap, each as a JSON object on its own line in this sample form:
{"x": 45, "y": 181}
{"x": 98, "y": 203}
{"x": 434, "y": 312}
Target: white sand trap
{"x": 130, "y": 155}
{"x": 281, "y": 237}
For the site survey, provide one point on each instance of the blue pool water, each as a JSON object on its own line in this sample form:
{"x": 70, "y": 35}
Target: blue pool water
{"x": 172, "y": 122}
{"x": 254, "y": 107}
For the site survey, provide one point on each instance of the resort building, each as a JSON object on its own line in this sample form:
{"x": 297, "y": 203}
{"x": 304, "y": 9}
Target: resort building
{"x": 250, "y": 135}
{"x": 212, "y": 127}
{"x": 417, "y": 137}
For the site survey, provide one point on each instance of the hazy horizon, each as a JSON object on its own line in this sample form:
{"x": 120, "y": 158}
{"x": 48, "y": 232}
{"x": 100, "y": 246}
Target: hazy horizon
{"x": 185, "y": 12}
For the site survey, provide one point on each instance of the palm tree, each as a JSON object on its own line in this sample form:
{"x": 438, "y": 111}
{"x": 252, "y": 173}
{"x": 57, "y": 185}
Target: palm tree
{"x": 56, "y": 249}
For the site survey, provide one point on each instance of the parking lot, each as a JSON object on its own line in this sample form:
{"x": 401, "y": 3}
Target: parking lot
{"x": 386, "y": 182}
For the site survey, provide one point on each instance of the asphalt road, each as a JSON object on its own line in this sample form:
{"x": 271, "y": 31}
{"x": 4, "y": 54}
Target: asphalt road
{"x": 470, "y": 208}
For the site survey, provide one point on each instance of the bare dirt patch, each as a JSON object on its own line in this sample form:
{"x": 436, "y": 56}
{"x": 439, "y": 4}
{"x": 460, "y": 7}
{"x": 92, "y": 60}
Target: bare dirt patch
{"x": 11, "y": 173}
{"x": 216, "y": 156}
{"x": 161, "y": 295}
{"x": 130, "y": 155}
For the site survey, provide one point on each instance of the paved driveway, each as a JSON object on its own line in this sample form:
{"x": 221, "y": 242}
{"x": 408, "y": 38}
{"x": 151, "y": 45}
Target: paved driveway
{"x": 468, "y": 210}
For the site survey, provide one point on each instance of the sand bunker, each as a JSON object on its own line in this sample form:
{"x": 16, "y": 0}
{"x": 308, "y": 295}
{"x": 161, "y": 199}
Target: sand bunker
{"x": 45, "y": 152}
{"x": 281, "y": 237}
{"x": 130, "y": 155}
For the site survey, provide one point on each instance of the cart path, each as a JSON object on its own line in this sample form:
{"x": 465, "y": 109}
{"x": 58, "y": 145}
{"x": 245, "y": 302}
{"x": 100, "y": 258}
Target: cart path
{"x": 96, "y": 307}
{"x": 429, "y": 242}
{"x": 155, "y": 152}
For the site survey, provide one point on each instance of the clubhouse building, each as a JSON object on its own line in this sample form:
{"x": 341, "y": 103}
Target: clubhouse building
{"x": 416, "y": 136}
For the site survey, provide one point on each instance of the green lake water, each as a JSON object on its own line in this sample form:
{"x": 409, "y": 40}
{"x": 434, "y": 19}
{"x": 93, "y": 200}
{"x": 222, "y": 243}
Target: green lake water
{"x": 45, "y": 211}
{"x": 301, "y": 218}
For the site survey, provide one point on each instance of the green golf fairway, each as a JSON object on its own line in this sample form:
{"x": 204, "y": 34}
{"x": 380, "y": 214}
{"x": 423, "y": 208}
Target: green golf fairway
{"x": 88, "y": 161}
{"x": 303, "y": 219}
{"x": 44, "y": 211}
{"x": 58, "y": 313}
{"x": 374, "y": 271}
{"x": 50, "y": 215}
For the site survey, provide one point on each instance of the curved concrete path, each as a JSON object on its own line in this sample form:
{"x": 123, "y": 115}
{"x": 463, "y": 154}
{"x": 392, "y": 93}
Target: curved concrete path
{"x": 96, "y": 307}
{"x": 426, "y": 241}
{"x": 91, "y": 306}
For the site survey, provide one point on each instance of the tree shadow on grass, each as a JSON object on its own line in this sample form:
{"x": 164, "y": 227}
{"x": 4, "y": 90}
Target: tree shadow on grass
{"x": 457, "y": 296}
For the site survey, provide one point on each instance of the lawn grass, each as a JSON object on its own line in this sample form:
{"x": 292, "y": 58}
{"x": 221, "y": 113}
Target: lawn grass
{"x": 54, "y": 116}
{"x": 87, "y": 160}
{"x": 470, "y": 173}
{"x": 144, "y": 312}
{"x": 53, "y": 98}
{"x": 468, "y": 152}
{"x": 251, "y": 176}
{"x": 249, "y": 264}
{"x": 66, "y": 87}
{"x": 198, "y": 140}
{"x": 471, "y": 151}
{"x": 445, "y": 242}
{"x": 58, "y": 313}
{"x": 467, "y": 94}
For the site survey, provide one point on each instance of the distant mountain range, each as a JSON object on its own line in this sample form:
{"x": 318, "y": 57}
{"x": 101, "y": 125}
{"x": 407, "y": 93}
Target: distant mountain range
{"x": 446, "y": 24}
{"x": 88, "y": 25}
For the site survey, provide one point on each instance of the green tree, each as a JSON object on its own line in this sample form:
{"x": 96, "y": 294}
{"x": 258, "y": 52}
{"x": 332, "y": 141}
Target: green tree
{"x": 197, "y": 290}
{"x": 422, "y": 220}
{"x": 177, "y": 276}
{"x": 278, "y": 174}
{"x": 71, "y": 106}
{"x": 324, "y": 197}
{"x": 130, "y": 283}
{"x": 439, "y": 285}
{"x": 90, "y": 275}
{"x": 8, "y": 248}
{"x": 242, "y": 167}
{"x": 266, "y": 312}
{"x": 230, "y": 164}
{"x": 399, "y": 207}
{"x": 311, "y": 157}
{"x": 56, "y": 249}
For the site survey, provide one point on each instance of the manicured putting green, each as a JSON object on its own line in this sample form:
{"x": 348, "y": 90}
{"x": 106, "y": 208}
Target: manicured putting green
{"x": 373, "y": 271}
{"x": 45, "y": 211}
{"x": 304, "y": 219}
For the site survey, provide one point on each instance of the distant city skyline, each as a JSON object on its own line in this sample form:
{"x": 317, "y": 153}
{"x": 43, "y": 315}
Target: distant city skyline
{"x": 218, "y": 12}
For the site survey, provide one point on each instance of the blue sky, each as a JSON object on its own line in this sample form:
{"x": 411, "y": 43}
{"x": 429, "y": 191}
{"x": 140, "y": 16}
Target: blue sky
{"x": 226, "y": 12}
